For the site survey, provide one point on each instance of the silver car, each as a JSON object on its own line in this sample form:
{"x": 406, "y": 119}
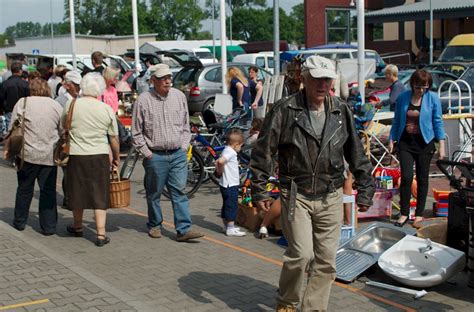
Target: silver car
{"x": 200, "y": 84}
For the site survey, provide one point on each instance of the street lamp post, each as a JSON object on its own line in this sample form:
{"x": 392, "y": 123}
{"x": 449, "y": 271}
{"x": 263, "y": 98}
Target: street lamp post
{"x": 73, "y": 33}
{"x": 213, "y": 34}
{"x": 135, "y": 36}
{"x": 223, "y": 46}
{"x": 276, "y": 38}
{"x": 52, "y": 28}
{"x": 431, "y": 33}
{"x": 361, "y": 48}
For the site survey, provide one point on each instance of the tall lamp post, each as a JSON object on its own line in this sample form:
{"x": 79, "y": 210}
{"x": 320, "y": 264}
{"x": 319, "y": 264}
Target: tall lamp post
{"x": 276, "y": 38}
{"x": 431, "y": 33}
{"x": 223, "y": 46}
{"x": 73, "y": 33}
{"x": 361, "y": 48}
{"x": 135, "y": 36}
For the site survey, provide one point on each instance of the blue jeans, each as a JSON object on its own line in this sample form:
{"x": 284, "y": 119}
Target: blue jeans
{"x": 8, "y": 118}
{"x": 230, "y": 201}
{"x": 168, "y": 169}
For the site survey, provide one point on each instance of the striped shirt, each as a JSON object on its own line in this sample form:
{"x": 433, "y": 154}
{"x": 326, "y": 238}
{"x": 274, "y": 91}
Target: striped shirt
{"x": 42, "y": 128}
{"x": 160, "y": 123}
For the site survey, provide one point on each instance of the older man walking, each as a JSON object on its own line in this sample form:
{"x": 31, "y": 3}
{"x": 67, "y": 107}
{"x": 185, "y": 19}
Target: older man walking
{"x": 160, "y": 130}
{"x": 312, "y": 133}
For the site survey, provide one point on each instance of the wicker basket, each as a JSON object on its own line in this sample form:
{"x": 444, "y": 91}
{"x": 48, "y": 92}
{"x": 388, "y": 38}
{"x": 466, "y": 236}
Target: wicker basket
{"x": 119, "y": 191}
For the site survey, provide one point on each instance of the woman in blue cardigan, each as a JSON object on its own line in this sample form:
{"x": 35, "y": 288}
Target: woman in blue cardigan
{"x": 417, "y": 124}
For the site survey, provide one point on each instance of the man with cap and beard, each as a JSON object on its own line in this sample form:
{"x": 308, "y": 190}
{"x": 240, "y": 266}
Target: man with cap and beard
{"x": 161, "y": 133}
{"x": 312, "y": 132}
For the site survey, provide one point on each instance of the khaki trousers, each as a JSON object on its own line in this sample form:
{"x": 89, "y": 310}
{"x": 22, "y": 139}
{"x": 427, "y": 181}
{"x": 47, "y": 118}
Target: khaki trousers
{"x": 313, "y": 235}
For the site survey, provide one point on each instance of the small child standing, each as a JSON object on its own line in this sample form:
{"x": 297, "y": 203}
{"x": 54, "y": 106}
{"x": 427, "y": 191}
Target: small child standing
{"x": 227, "y": 168}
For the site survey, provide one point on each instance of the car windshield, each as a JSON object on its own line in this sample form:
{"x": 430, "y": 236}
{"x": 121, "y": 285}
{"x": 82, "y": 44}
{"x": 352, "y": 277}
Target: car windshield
{"x": 468, "y": 76}
{"x": 204, "y": 55}
{"x": 457, "y": 53}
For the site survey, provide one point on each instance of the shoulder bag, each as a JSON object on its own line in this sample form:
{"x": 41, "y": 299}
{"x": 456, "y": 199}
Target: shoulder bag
{"x": 16, "y": 136}
{"x": 61, "y": 152}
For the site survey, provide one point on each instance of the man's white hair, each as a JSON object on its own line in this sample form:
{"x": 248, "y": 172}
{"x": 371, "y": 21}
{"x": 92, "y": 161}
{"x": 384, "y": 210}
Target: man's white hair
{"x": 392, "y": 70}
{"x": 93, "y": 84}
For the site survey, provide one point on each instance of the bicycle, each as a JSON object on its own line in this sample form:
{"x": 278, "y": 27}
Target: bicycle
{"x": 195, "y": 170}
{"x": 213, "y": 153}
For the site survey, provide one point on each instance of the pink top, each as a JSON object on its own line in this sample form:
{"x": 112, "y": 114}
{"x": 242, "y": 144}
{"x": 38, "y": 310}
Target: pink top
{"x": 110, "y": 97}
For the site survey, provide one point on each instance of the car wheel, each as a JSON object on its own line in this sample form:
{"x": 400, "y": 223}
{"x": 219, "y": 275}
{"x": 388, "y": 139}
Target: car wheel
{"x": 208, "y": 105}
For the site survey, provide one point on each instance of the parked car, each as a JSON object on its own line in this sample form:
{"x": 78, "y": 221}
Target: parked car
{"x": 459, "y": 49}
{"x": 456, "y": 68}
{"x": 201, "y": 83}
{"x": 337, "y": 52}
{"x": 204, "y": 55}
{"x": 382, "y": 91}
{"x": 467, "y": 76}
{"x": 261, "y": 59}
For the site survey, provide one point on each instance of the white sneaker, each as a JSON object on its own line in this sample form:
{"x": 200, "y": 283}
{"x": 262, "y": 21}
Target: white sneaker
{"x": 263, "y": 232}
{"x": 234, "y": 232}
{"x": 224, "y": 229}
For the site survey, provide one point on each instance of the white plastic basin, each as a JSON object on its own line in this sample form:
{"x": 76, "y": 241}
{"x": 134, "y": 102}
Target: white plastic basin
{"x": 405, "y": 263}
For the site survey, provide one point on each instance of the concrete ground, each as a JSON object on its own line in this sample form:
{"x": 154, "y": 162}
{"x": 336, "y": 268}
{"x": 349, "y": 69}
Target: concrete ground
{"x": 138, "y": 273}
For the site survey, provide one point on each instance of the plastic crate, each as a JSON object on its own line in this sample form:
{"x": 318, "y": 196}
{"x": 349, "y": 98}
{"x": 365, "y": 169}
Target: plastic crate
{"x": 347, "y": 231}
{"x": 382, "y": 206}
{"x": 440, "y": 207}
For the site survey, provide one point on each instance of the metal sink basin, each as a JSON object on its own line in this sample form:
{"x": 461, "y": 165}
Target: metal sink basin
{"x": 363, "y": 250}
{"x": 376, "y": 240}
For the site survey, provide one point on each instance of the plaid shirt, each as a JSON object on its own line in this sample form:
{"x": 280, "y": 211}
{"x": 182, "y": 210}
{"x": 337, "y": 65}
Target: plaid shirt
{"x": 160, "y": 123}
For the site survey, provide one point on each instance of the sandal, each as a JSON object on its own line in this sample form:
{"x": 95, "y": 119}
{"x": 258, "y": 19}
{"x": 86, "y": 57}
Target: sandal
{"x": 102, "y": 240}
{"x": 418, "y": 223}
{"x": 77, "y": 232}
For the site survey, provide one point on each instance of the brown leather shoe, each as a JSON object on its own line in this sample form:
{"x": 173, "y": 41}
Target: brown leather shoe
{"x": 282, "y": 308}
{"x": 154, "y": 233}
{"x": 188, "y": 236}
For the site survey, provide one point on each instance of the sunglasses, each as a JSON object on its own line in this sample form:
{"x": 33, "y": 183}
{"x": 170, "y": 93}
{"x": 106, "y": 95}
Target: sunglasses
{"x": 421, "y": 87}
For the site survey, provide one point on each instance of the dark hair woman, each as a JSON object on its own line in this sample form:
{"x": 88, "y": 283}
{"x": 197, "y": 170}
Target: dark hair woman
{"x": 417, "y": 125}
{"x": 42, "y": 116}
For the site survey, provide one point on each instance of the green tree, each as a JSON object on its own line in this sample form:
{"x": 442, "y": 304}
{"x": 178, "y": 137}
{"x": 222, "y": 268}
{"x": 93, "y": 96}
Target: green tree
{"x": 23, "y": 29}
{"x": 232, "y": 5}
{"x": 175, "y": 19}
{"x": 297, "y": 15}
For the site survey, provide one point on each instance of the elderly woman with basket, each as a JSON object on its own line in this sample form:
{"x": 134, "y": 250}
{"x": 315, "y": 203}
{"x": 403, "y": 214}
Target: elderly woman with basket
{"x": 93, "y": 125}
{"x": 40, "y": 118}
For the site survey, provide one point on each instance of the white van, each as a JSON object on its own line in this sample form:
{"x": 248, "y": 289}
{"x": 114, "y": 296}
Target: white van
{"x": 346, "y": 53}
{"x": 204, "y": 55}
{"x": 261, "y": 59}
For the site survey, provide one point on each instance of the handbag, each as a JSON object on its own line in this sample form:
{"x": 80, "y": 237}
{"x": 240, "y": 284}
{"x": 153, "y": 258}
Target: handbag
{"x": 16, "y": 136}
{"x": 61, "y": 152}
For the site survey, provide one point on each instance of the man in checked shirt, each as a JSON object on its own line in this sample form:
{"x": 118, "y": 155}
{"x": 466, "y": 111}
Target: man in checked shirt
{"x": 160, "y": 130}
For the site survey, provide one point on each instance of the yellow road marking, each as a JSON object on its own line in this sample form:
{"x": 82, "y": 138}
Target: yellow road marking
{"x": 280, "y": 263}
{"x": 25, "y": 304}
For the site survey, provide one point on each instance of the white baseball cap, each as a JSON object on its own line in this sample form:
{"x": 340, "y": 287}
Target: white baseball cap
{"x": 320, "y": 67}
{"x": 160, "y": 70}
{"x": 73, "y": 76}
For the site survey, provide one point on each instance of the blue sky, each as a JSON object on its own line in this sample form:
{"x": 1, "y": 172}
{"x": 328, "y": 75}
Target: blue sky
{"x": 43, "y": 11}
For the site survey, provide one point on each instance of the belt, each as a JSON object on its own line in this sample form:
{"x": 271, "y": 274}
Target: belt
{"x": 165, "y": 152}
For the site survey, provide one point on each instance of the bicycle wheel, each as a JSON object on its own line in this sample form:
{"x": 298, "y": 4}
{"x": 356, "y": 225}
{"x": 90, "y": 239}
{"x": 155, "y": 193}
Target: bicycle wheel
{"x": 195, "y": 175}
{"x": 129, "y": 163}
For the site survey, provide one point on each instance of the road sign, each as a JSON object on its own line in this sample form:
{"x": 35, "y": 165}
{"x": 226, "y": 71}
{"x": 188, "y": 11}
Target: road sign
{"x": 36, "y": 51}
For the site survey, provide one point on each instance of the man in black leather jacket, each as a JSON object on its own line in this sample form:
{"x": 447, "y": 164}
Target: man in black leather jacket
{"x": 312, "y": 133}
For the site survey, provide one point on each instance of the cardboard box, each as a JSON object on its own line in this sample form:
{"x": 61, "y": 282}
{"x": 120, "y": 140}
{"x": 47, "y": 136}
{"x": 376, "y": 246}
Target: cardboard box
{"x": 248, "y": 217}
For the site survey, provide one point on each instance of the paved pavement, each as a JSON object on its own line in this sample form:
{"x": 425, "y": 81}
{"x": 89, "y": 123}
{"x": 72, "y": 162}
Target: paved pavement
{"x": 138, "y": 273}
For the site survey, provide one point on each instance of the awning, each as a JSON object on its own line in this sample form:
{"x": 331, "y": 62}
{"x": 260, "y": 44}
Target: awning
{"x": 442, "y": 9}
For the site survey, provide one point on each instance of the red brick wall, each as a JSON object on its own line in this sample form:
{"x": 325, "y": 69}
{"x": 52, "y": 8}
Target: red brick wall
{"x": 315, "y": 17}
